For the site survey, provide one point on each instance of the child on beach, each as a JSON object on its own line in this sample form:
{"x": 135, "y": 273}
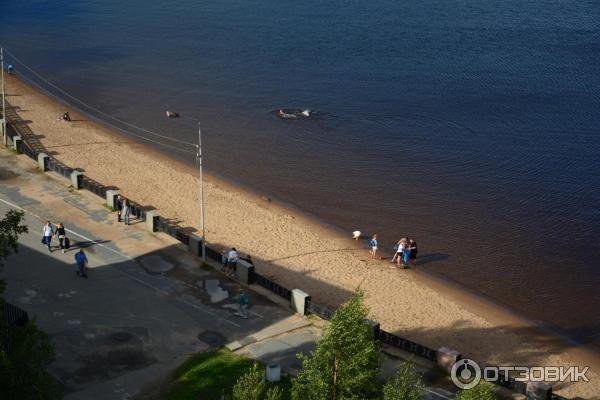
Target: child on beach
{"x": 373, "y": 243}
{"x": 356, "y": 235}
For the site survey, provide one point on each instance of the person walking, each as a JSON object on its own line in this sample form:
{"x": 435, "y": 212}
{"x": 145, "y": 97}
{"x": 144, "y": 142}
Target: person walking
{"x": 243, "y": 303}
{"x": 62, "y": 237}
{"x": 119, "y": 207}
{"x": 413, "y": 252}
{"x": 126, "y": 211}
{"x": 47, "y": 233}
{"x": 81, "y": 260}
{"x": 232, "y": 259}
{"x": 373, "y": 243}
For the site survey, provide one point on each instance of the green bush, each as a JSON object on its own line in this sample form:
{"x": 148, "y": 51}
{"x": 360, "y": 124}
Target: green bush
{"x": 483, "y": 391}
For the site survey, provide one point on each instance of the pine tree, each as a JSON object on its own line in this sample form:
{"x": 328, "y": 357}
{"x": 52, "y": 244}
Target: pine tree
{"x": 346, "y": 362}
{"x": 406, "y": 386}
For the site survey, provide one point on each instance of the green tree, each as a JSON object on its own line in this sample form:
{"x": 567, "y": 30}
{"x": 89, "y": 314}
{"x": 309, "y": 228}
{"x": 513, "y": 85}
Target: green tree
{"x": 274, "y": 393}
{"x": 251, "y": 385}
{"x": 24, "y": 350}
{"x": 346, "y": 362}
{"x": 10, "y": 229}
{"x": 406, "y": 386}
{"x": 483, "y": 391}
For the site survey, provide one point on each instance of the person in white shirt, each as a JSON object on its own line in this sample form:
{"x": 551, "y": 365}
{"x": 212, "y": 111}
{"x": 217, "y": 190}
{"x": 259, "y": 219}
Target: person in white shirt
{"x": 232, "y": 259}
{"x": 47, "y": 233}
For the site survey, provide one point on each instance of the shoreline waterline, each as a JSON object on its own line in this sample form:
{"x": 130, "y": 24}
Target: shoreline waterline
{"x": 275, "y": 206}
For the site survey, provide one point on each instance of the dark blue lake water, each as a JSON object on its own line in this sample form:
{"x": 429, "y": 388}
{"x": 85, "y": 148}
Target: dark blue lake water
{"x": 473, "y": 126}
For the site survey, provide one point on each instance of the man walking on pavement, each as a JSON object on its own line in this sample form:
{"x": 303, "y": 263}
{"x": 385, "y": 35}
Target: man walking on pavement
{"x": 47, "y": 233}
{"x": 81, "y": 261}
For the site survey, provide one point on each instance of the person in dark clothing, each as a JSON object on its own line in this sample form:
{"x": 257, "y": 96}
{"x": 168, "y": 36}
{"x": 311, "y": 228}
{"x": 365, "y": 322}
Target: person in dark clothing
{"x": 81, "y": 260}
{"x": 119, "y": 206}
{"x": 413, "y": 252}
{"x": 60, "y": 233}
{"x": 66, "y": 117}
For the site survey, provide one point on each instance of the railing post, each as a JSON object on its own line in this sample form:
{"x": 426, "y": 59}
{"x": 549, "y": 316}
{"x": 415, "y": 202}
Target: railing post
{"x": 447, "y": 358}
{"x": 111, "y": 199}
{"x": 42, "y": 161}
{"x": 151, "y": 217}
{"x": 244, "y": 272}
{"x": 195, "y": 246}
{"x": 538, "y": 391}
{"x": 299, "y": 301}
{"x": 17, "y": 142}
{"x": 375, "y": 327}
{"x": 76, "y": 179}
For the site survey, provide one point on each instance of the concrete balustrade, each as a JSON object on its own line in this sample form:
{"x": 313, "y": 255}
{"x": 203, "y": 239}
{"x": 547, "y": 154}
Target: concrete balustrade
{"x": 195, "y": 245}
{"x": 299, "y": 299}
{"x": 111, "y": 199}
{"x": 539, "y": 391}
{"x": 17, "y": 142}
{"x": 244, "y": 272}
{"x": 42, "y": 161}
{"x": 447, "y": 358}
{"x": 151, "y": 217}
{"x": 76, "y": 179}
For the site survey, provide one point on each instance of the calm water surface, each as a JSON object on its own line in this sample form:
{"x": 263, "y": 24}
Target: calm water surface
{"x": 473, "y": 126}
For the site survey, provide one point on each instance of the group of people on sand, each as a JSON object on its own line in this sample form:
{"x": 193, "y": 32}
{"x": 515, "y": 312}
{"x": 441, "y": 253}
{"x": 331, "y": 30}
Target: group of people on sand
{"x": 405, "y": 250}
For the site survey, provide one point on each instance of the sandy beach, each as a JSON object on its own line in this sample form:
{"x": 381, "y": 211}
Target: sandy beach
{"x": 297, "y": 251}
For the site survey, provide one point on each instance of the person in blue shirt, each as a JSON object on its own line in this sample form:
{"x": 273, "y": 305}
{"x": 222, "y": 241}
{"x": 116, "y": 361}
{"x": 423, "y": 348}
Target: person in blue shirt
{"x": 81, "y": 261}
{"x": 373, "y": 251}
{"x": 243, "y": 302}
{"x": 11, "y": 69}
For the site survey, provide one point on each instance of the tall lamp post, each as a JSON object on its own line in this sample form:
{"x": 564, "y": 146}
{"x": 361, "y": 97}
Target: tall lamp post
{"x": 199, "y": 156}
{"x": 171, "y": 114}
{"x": 3, "y": 101}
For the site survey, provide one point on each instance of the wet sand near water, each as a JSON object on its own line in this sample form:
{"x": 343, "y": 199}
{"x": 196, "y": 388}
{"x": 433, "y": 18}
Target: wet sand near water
{"x": 296, "y": 251}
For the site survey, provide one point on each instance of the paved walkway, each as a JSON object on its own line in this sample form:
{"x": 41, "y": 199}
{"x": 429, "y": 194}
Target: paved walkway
{"x": 146, "y": 306}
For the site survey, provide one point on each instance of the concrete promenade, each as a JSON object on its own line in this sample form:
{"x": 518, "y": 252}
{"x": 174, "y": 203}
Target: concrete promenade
{"x": 147, "y": 305}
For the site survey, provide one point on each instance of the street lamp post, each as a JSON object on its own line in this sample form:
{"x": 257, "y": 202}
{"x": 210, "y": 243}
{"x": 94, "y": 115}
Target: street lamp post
{"x": 171, "y": 114}
{"x": 3, "y": 101}
{"x": 199, "y": 155}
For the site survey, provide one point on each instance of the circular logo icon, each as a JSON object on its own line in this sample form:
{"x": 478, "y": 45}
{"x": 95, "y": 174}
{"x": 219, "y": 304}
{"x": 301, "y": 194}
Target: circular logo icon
{"x": 466, "y": 373}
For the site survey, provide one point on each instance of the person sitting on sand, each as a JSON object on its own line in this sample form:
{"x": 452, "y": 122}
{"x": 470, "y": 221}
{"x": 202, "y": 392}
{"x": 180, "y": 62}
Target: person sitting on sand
{"x": 11, "y": 69}
{"x": 66, "y": 117}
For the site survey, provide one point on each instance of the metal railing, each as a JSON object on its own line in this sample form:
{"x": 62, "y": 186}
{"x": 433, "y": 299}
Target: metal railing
{"x": 320, "y": 311}
{"x": 272, "y": 286}
{"x": 162, "y": 225}
{"x": 93, "y": 186}
{"x": 59, "y": 168}
{"x": 407, "y": 345}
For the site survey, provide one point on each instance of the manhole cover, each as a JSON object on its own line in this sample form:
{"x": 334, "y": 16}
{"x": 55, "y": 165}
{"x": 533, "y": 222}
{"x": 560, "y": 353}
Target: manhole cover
{"x": 121, "y": 336}
{"x": 211, "y": 338}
